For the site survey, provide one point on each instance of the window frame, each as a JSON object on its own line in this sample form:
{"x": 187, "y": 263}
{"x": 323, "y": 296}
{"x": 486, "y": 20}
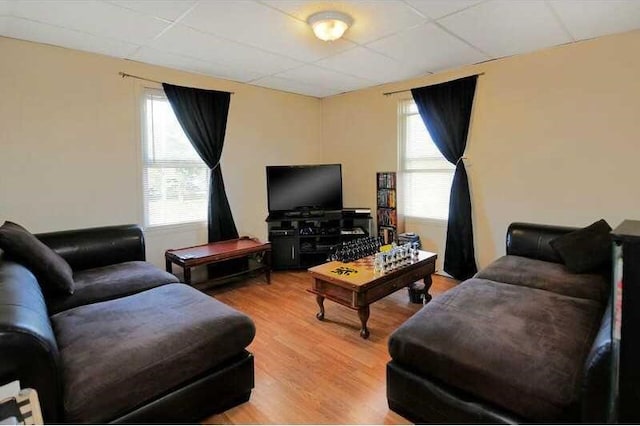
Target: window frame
{"x": 146, "y": 93}
{"x": 403, "y": 170}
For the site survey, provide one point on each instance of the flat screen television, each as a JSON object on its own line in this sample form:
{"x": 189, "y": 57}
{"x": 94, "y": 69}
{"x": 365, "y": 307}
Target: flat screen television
{"x": 304, "y": 188}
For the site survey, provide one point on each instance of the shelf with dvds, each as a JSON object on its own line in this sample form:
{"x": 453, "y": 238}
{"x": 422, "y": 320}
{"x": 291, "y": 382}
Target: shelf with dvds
{"x": 387, "y": 215}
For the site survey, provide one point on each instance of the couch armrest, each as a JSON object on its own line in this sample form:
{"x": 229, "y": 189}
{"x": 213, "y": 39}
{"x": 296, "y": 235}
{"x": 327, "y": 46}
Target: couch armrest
{"x": 532, "y": 240}
{"x": 95, "y": 247}
{"x": 28, "y": 348}
{"x": 596, "y": 383}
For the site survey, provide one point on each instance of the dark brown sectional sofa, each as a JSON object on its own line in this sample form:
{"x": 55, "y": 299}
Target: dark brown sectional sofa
{"x": 130, "y": 345}
{"x": 525, "y": 340}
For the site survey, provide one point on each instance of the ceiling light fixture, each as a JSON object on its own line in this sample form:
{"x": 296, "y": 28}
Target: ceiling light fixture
{"x": 330, "y": 25}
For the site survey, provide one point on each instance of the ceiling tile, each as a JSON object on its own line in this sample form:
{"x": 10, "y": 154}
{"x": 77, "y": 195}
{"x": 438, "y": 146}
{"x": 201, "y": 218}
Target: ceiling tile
{"x": 311, "y": 74}
{"x": 372, "y": 19}
{"x": 153, "y": 56}
{"x": 438, "y": 8}
{"x": 165, "y": 9}
{"x": 364, "y": 63}
{"x": 586, "y": 19}
{"x": 261, "y": 26}
{"x": 6, "y": 7}
{"x": 292, "y": 86}
{"x": 42, "y": 33}
{"x": 428, "y": 48}
{"x": 190, "y": 42}
{"x": 503, "y": 27}
{"x": 93, "y": 17}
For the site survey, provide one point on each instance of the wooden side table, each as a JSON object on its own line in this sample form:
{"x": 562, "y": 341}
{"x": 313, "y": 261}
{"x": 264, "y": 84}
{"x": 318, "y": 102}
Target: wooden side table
{"x": 208, "y": 254}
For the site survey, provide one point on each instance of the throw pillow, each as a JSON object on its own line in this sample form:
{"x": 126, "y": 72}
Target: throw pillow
{"x": 585, "y": 250}
{"x": 52, "y": 271}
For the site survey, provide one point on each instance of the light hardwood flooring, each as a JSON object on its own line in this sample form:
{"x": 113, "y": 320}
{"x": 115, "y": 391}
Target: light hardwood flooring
{"x": 309, "y": 371}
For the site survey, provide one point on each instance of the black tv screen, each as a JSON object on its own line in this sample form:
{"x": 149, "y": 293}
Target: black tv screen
{"x": 315, "y": 187}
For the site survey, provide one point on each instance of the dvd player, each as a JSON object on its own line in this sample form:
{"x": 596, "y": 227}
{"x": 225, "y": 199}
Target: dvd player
{"x": 356, "y": 211}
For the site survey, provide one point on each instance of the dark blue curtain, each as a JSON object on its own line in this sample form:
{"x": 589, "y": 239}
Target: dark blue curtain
{"x": 446, "y": 111}
{"x": 203, "y": 117}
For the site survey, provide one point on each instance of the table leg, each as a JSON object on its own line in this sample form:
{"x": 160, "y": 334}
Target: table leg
{"x": 363, "y": 313}
{"x": 187, "y": 275}
{"x": 427, "y": 285}
{"x": 167, "y": 263}
{"x": 320, "y": 301}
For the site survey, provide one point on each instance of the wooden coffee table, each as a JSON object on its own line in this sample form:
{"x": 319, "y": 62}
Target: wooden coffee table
{"x": 220, "y": 251}
{"x": 355, "y": 285}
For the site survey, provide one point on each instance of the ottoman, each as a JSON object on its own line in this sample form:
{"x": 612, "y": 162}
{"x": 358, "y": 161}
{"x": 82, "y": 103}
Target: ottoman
{"x": 519, "y": 349}
{"x": 121, "y": 354}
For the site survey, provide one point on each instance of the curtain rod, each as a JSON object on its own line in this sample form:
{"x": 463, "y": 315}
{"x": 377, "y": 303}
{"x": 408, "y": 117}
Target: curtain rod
{"x": 408, "y": 90}
{"x": 124, "y": 74}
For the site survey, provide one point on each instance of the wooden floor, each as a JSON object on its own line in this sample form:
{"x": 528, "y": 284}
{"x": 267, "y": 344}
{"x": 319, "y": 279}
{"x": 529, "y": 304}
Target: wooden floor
{"x": 309, "y": 371}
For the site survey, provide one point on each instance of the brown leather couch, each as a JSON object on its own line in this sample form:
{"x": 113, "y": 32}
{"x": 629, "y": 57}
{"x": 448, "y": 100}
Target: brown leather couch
{"x": 130, "y": 345}
{"x": 525, "y": 340}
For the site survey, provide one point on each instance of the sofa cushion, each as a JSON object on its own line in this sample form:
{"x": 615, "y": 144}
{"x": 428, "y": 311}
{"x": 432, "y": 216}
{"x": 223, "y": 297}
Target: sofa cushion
{"x": 123, "y": 352}
{"x": 549, "y": 276}
{"x": 52, "y": 271}
{"x": 507, "y": 345}
{"x": 110, "y": 282}
{"x": 585, "y": 250}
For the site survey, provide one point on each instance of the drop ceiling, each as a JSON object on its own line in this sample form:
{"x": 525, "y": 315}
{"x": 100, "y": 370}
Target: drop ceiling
{"x": 268, "y": 43}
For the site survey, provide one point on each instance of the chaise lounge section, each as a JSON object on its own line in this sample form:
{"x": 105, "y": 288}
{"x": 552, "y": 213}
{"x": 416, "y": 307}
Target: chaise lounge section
{"x": 130, "y": 345}
{"x": 525, "y": 340}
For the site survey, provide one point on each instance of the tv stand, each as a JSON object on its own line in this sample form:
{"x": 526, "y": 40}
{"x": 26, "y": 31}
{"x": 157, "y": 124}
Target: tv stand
{"x": 300, "y": 240}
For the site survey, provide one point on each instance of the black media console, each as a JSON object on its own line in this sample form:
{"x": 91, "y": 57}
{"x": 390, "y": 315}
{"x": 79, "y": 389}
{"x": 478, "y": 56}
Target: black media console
{"x": 303, "y": 240}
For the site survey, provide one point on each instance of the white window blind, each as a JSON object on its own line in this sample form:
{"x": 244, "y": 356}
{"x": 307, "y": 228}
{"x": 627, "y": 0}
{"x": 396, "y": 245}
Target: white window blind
{"x": 426, "y": 174}
{"x": 176, "y": 180}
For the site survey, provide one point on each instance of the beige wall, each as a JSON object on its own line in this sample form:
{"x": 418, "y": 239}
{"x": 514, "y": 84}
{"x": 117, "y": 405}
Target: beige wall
{"x": 555, "y": 138}
{"x": 70, "y": 142}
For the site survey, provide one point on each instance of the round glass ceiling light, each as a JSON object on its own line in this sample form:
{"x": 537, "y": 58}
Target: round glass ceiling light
{"x": 329, "y": 26}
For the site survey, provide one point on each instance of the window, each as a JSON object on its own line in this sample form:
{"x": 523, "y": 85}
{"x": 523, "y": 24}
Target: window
{"x": 426, "y": 174}
{"x": 176, "y": 180}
